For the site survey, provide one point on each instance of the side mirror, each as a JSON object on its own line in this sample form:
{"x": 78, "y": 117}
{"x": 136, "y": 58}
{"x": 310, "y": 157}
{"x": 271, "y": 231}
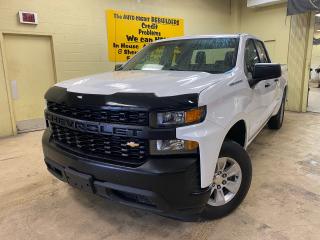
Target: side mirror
{"x": 264, "y": 71}
{"x": 118, "y": 67}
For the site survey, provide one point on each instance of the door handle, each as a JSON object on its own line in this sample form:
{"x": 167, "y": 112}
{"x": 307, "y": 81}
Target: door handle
{"x": 267, "y": 85}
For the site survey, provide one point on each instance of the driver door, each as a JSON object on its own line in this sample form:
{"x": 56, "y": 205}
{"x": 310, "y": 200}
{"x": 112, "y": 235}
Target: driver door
{"x": 272, "y": 84}
{"x": 262, "y": 92}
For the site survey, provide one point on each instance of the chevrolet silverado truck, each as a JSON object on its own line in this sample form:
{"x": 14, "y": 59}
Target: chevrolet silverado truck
{"x": 168, "y": 130}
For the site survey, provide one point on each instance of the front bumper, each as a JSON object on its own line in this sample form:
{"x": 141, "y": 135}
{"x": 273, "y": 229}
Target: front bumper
{"x": 167, "y": 186}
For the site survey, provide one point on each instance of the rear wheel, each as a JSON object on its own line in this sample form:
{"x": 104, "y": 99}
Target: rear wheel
{"x": 231, "y": 181}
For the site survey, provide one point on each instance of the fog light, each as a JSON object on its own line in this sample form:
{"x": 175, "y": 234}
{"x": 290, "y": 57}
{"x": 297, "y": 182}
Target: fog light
{"x": 174, "y": 146}
{"x": 170, "y": 145}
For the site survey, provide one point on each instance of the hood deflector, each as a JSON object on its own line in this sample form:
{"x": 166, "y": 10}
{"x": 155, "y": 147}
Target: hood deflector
{"x": 145, "y": 101}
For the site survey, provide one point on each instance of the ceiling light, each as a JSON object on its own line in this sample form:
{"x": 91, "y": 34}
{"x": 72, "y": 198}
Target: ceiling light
{"x": 318, "y": 15}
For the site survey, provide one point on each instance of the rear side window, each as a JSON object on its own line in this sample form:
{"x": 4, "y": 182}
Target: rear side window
{"x": 251, "y": 57}
{"x": 262, "y": 52}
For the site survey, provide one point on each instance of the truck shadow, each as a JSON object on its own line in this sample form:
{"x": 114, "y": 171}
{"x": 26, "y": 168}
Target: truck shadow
{"x": 123, "y": 218}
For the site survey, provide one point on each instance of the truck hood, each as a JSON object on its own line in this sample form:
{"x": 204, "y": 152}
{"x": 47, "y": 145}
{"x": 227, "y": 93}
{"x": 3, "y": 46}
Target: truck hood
{"x": 161, "y": 83}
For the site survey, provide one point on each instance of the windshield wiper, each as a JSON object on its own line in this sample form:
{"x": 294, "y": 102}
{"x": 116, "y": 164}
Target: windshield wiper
{"x": 175, "y": 69}
{"x": 193, "y": 70}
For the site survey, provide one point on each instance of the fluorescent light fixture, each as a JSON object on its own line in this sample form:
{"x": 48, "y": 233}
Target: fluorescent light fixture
{"x": 262, "y": 3}
{"x": 318, "y": 15}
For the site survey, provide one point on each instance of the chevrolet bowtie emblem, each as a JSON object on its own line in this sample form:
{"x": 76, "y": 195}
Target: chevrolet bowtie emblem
{"x": 133, "y": 144}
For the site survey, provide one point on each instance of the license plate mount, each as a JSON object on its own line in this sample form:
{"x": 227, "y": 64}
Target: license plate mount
{"x": 79, "y": 180}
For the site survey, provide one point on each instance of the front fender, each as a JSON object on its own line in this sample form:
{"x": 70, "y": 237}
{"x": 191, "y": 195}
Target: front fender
{"x": 226, "y": 104}
{"x": 210, "y": 136}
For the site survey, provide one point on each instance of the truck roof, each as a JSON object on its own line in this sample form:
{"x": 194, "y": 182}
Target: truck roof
{"x": 206, "y": 36}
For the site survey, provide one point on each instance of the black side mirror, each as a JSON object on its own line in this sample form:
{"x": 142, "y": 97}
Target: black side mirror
{"x": 118, "y": 67}
{"x": 264, "y": 71}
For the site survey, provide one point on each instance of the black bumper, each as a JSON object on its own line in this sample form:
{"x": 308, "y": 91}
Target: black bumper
{"x": 167, "y": 186}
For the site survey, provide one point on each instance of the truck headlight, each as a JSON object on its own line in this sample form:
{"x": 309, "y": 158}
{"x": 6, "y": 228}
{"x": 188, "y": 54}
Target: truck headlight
{"x": 174, "y": 146}
{"x": 180, "y": 118}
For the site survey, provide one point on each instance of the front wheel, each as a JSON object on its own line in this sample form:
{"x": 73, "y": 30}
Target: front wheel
{"x": 231, "y": 181}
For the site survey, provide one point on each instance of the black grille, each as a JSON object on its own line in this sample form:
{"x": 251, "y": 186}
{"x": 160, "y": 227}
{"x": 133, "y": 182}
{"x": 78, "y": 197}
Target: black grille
{"x": 140, "y": 118}
{"x": 110, "y": 149}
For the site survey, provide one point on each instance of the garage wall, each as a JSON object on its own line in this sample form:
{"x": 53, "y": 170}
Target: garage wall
{"x": 299, "y": 60}
{"x": 271, "y": 24}
{"x": 79, "y": 35}
{"x": 79, "y": 32}
{"x": 288, "y": 41}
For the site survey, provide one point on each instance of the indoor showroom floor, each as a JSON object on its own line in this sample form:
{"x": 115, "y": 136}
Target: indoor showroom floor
{"x": 283, "y": 202}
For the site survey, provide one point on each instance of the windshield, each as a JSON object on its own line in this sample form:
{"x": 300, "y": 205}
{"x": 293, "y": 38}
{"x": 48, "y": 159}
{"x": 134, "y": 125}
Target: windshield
{"x": 213, "y": 55}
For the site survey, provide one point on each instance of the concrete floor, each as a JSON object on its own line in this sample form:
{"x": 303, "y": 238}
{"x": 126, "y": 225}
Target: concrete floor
{"x": 283, "y": 202}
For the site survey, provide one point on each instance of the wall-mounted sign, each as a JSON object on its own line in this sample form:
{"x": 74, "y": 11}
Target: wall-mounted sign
{"x": 128, "y": 32}
{"x": 28, "y": 17}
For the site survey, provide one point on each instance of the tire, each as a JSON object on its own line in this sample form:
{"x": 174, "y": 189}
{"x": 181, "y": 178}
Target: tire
{"x": 230, "y": 151}
{"x": 276, "y": 121}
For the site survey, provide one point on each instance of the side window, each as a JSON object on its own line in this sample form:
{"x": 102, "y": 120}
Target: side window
{"x": 262, "y": 52}
{"x": 250, "y": 57}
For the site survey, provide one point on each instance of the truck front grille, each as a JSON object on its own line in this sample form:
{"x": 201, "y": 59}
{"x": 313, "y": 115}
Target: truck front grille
{"x": 104, "y": 148}
{"x": 140, "y": 118}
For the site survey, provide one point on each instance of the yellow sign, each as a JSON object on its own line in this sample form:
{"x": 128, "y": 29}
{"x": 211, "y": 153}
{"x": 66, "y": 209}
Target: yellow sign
{"x": 129, "y": 32}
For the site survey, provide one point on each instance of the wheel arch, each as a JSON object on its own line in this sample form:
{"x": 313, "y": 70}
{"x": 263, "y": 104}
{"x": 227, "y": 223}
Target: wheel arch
{"x": 238, "y": 133}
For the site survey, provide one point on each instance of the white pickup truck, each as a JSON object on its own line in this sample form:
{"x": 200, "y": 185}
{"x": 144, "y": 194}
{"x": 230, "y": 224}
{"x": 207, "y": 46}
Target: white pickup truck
{"x": 168, "y": 131}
